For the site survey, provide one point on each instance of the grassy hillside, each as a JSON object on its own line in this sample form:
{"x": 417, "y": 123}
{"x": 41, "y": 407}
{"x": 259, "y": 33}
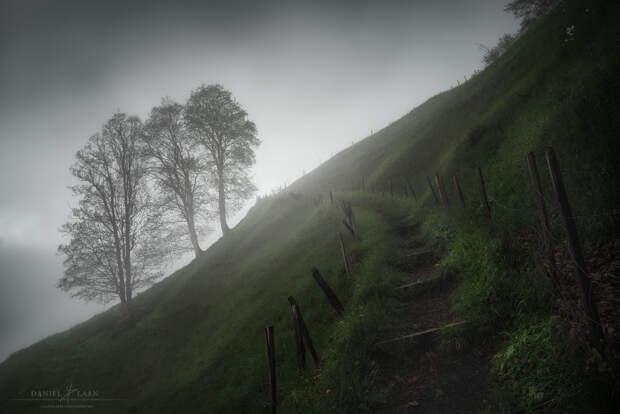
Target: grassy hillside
{"x": 196, "y": 340}
{"x": 548, "y": 89}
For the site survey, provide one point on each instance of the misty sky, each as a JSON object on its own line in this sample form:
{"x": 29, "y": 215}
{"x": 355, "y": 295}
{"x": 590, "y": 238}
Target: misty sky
{"x": 313, "y": 76}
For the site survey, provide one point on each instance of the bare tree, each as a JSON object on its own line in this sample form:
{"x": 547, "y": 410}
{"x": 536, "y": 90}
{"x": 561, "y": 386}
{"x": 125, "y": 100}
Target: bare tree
{"x": 219, "y": 123}
{"x": 177, "y": 169}
{"x": 114, "y": 247}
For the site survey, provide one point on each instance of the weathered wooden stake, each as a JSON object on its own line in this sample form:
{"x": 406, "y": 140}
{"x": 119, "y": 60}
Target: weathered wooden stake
{"x": 299, "y": 341}
{"x": 271, "y": 357}
{"x": 430, "y": 185}
{"x": 349, "y": 228}
{"x": 304, "y": 331}
{"x": 351, "y": 216}
{"x": 411, "y": 189}
{"x": 483, "y": 193}
{"x": 442, "y": 191}
{"x": 574, "y": 244}
{"x": 344, "y": 256}
{"x": 544, "y": 221}
{"x": 349, "y": 222}
{"x": 329, "y": 293}
{"x": 331, "y": 196}
{"x": 458, "y": 190}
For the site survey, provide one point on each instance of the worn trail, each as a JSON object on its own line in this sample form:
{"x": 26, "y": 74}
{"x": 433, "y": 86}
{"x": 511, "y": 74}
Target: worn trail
{"x": 430, "y": 362}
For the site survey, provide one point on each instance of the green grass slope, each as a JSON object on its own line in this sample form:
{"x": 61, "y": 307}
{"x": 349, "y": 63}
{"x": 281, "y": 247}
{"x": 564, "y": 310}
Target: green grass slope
{"x": 196, "y": 341}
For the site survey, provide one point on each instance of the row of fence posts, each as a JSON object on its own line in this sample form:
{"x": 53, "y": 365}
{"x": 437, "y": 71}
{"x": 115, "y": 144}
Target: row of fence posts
{"x": 439, "y": 195}
{"x": 302, "y": 336}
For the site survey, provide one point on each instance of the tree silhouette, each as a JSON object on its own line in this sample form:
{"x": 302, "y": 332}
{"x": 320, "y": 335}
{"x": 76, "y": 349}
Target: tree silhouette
{"x": 178, "y": 171}
{"x": 115, "y": 245}
{"x": 219, "y": 123}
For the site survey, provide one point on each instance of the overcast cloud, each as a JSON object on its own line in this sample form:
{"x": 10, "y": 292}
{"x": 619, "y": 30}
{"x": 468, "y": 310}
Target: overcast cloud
{"x": 313, "y": 76}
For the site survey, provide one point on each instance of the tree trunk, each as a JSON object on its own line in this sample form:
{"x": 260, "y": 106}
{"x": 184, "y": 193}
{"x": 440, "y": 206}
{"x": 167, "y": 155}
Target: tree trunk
{"x": 222, "y": 202}
{"x": 128, "y": 293}
{"x": 118, "y": 249}
{"x": 121, "y": 292}
{"x": 191, "y": 226}
{"x": 128, "y": 305}
{"x": 127, "y": 263}
{"x": 188, "y": 204}
{"x": 121, "y": 270}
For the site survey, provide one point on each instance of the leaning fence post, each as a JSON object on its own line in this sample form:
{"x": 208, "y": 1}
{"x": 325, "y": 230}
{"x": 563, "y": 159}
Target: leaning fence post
{"x": 349, "y": 222}
{"x": 483, "y": 193}
{"x": 574, "y": 245}
{"x": 303, "y": 330}
{"x": 352, "y": 217}
{"x": 544, "y": 221}
{"x": 344, "y": 256}
{"x": 458, "y": 190}
{"x": 430, "y": 185}
{"x": 331, "y": 196}
{"x": 411, "y": 189}
{"x": 329, "y": 293}
{"x": 299, "y": 342}
{"x": 442, "y": 191}
{"x": 271, "y": 357}
{"x": 350, "y": 229}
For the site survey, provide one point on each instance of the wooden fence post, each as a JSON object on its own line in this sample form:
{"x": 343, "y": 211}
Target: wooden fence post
{"x": 303, "y": 330}
{"x": 349, "y": 222}
{"x": 430, "y": 185}
{"x": 574, "y": 244}
{"x": 483, "y": 193}
{"x": 299, "y": 341}
{"x": 442, "y": 191}
{"x": 344, "y": 256}
{"x": 544, "y": 221}
{"x": 271, "y": 357}
{"x": 331, "y": 196}
{"x": 349, "y": 228}
{"x": 411, "y": 189}
{"x": 458, "y": 190}
{"x": 329, "y": 293}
